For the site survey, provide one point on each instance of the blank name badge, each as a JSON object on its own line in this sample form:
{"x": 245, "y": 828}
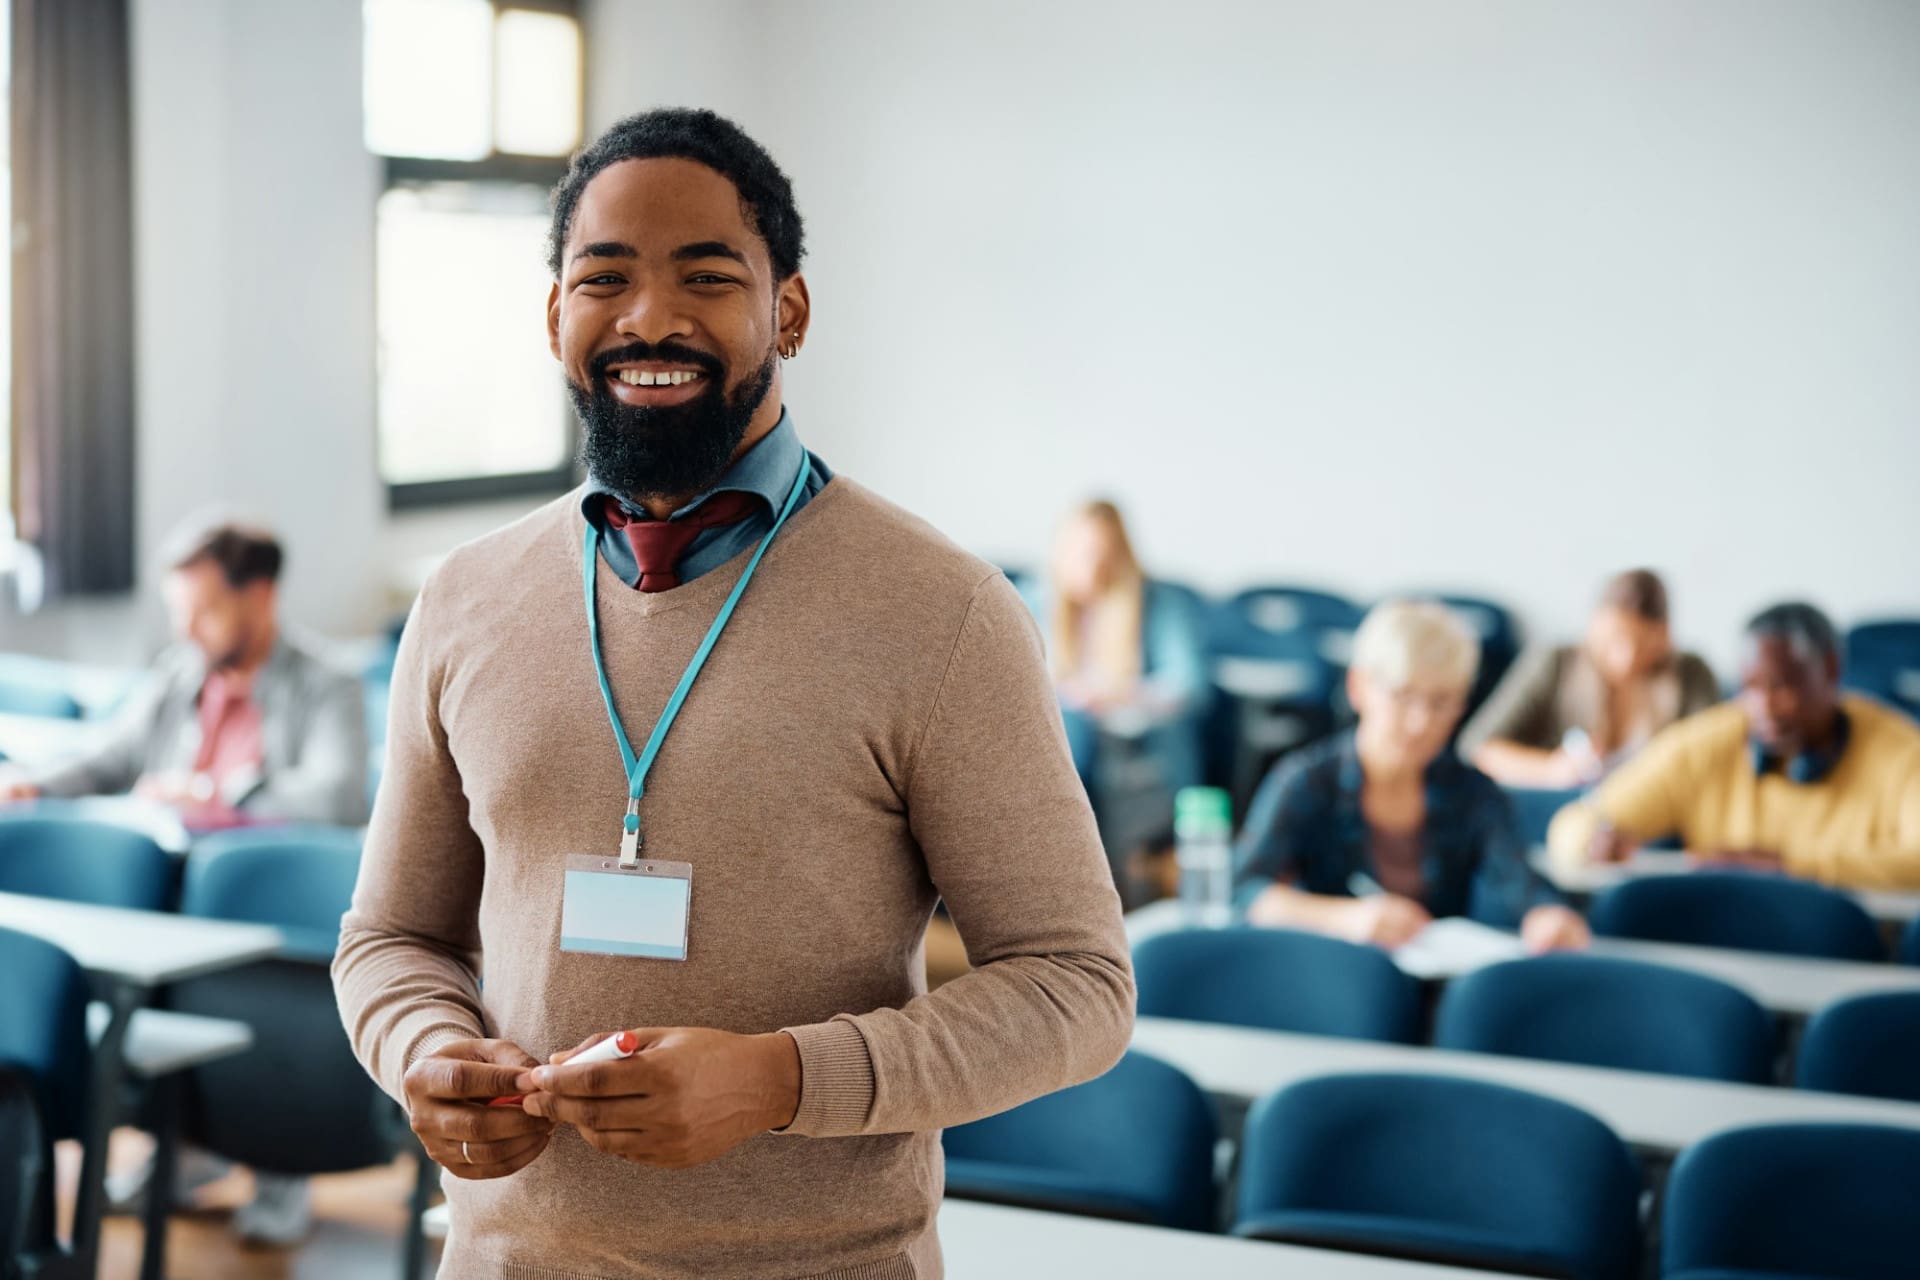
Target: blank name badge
{"x": 610, "y": 911}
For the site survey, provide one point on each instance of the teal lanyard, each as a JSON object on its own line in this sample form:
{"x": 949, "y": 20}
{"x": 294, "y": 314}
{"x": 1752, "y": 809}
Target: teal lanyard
{"x": 639, "y": 766}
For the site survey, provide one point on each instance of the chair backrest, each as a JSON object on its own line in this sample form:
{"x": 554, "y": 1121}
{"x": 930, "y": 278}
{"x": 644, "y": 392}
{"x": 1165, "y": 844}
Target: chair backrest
{"x": 1829, "y": 1200}
{"x": 1866, "y": 1044}
{"x": 26, "y": 1175}
{"x": 31, "y": 686}
{"x": 1499, "y": 636}
{"x": 300, "y": 880}
{"x": 82, "y": 860}
{"x": 1883, "y": 659}
{"x": 1136, "y": 1143}
{"x": 1444, "y": 1169}
{"x": 1607, "y": 1012}
{"x": 1284, "y": 622}
{"x": 43, "y": 1027}
{"x": 1907, "y": 950}
{"x": 1277, "y": 979}
{"x": 1746, "y": 912}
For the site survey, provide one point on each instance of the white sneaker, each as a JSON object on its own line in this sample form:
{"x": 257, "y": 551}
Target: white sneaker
{"x": 280, "y": 1214}
{"x": 195, "y": 1169}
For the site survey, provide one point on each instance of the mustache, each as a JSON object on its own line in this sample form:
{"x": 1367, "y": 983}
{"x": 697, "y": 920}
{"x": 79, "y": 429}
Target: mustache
{"x": 672, "y": 352}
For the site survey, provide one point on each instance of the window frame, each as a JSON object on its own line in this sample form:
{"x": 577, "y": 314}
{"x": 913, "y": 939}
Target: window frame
{"x": 545, "y": 172}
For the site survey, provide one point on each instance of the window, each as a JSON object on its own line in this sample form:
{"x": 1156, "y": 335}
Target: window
{"x": 476, "y": 105}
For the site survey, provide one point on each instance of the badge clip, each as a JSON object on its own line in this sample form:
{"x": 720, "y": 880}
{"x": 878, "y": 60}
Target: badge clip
{"x": 630, "y": 835}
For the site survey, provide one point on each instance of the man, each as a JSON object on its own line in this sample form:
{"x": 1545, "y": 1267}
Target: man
{"x": 1792, "y": 775}
{"x": 874, "y": 730}
{"x": 242, "y": 722}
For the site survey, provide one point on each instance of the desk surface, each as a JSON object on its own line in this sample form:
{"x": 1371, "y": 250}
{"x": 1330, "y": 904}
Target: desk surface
{"x": 1795, "y": 985}
{"x": 1016, "y": 1244}
{"x": 35, "y": 740}
{"x": 144, "y": 948}
{"x": 1663, "y": 1113}
{"x": 1886, "y": 906}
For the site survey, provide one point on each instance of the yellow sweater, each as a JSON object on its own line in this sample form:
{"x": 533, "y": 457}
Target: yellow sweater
{"x": 1858, "y": 827}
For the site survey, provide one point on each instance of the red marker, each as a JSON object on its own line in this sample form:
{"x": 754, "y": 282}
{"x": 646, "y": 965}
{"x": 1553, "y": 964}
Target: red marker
{"x": 615, "y": 1047}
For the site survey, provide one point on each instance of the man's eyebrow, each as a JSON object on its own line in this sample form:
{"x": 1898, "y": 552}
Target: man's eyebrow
{"x": 607, "y": 249}
{"x": 709, "y": 249}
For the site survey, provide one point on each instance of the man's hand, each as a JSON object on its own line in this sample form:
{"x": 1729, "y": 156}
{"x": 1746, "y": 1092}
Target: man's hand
{"x": 688, "y": 1094}
{"x": 1385, "y": 920}
{"x": 1554, "y": 928}
{"x": 1610, "y": 844}
{"x": 447, "y": 1096}
{"x": 14, "y": 786}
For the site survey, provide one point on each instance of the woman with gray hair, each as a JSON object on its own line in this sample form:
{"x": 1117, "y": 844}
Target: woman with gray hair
{"x": 1372, "y": 833}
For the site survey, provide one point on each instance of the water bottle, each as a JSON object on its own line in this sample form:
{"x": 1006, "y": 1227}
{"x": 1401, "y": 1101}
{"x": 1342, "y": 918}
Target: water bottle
{"x": 1203, "y": 828}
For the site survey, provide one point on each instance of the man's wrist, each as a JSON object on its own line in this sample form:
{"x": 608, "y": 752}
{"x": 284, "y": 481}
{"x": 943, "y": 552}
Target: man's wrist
{"x": 782, "y": 1055}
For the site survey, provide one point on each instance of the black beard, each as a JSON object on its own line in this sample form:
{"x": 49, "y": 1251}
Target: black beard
{"x": 665, "y": 451}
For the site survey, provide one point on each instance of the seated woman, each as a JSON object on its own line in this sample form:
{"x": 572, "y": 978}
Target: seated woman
{"x": 1565, "y": 716}
{"x": 1128, "y": 655}
{"x": 1372, "y": 833}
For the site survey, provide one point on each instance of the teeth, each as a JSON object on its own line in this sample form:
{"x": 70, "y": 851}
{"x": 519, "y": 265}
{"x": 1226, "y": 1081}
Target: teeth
{"x": 647, "y": 378}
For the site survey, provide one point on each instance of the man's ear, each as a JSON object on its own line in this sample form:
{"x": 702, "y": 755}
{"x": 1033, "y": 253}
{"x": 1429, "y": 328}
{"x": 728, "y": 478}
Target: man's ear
{"x": 792, "y": 312}
{"x": 553, "y": 319}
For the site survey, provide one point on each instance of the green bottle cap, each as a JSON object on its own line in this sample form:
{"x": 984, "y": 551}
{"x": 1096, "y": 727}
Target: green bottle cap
{"x": 1202, "y": 811}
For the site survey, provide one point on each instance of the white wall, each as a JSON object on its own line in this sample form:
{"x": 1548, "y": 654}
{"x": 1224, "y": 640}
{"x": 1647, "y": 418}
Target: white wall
{"x": 1500, "y": 295}
{"x": 1494, "y": 295}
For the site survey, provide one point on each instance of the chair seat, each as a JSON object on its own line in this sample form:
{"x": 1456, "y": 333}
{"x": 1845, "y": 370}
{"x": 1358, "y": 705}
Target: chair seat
{"x": 1403, "y": 1238}
{"x": 1058, "y": 1190}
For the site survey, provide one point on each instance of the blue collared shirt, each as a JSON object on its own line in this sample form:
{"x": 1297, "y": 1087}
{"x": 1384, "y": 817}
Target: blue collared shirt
{"x": 766, "y": 471}
{"x": 1306, "y": 828}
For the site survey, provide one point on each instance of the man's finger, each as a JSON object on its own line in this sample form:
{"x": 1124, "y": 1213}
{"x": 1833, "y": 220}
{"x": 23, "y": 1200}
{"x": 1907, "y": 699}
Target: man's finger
{"x": 598, "y": 1114}
{"x": 466, "y": 1122}
{"x": 459, "y": 1078}
{"x": 566, "y": 1054}
{"x": 623, "y": 1078}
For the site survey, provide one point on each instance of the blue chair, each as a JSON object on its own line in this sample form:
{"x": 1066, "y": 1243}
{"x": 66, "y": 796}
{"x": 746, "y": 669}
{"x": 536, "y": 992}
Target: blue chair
{"x": 1907, "y": 951}
{"x": 1279, "y": 980}
{"x": 1535, "y": 808}
{"x": 32, "y": 686}
{"x": 1135, "y": 1145}
{"x": 1793, "y": 1201}
{"x": 1279, "y": 654}
{"x": 1499, "y": 635}
{"x": 81, "y": 860}
{"x": 1866, "y": 1044}
{"x": 1606, "y": 1012}
{"x": 1742, "y": 911}
{"x": 26, "y": 1176}
{"x": 43, "y": 1027}
{"x": 299, "y": 879}
{"x": 1441, "y": 1170}
{"x": 1883, "y": 660}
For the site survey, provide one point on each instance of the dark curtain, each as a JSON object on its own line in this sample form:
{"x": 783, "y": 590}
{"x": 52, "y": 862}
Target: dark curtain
{"x": 73, "y": 291}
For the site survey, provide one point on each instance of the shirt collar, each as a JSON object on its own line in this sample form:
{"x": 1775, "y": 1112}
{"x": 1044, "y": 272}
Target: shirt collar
{"x": 766, "y": 471}
{"x": 1808, "y": 766}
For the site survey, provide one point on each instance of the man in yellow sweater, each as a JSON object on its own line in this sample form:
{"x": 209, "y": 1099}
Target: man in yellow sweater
{"x": 1791, "y": 775}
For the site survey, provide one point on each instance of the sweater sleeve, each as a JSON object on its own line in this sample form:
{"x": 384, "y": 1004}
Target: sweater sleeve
{"x": 1520, "y": 708}
{"x": 407, "y": 971}
{"x": 1648, "y": 797}
{"x": 1009, "y": 841}
{"x": 1892, "y": 861}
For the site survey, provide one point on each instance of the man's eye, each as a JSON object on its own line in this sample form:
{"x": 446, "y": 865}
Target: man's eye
{"x": 707, "y": 277}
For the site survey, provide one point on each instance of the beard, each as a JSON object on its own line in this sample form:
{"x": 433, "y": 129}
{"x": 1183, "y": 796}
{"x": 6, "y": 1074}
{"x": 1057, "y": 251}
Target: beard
{"x": 665, "y": 451}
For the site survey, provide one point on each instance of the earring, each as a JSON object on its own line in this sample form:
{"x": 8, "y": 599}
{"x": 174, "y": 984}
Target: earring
{"x": 792, "y": 349}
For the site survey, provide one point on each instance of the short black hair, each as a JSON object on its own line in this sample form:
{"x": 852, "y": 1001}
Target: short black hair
{"x": 244, "y": 553}
{"x": 766, "y": 197}
{"x": 1804, "y": 628}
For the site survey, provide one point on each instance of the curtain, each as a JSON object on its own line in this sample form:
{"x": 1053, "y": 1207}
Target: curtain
{"x": 72, "y": 171}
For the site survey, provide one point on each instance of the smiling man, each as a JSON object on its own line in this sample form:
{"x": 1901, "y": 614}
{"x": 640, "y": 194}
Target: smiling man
{"x": 694, "y": 751}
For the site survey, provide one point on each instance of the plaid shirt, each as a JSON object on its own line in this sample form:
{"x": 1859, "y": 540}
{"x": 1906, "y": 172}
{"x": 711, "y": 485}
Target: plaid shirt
{"x": 1305, "y": 828}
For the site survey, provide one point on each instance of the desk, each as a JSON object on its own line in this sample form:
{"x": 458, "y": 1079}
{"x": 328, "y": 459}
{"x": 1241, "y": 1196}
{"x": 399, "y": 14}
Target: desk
{"x": 1026, "y": 1244}
{"x": 1654, "y": 1112}
{"x": 128, "y": 954}
{"x": 158, "y": 821}
{"x": 1886, "y": 906}
{"x": 1792, "y": 985}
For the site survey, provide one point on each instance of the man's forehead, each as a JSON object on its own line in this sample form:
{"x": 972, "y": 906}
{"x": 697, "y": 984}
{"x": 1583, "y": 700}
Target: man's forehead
{"x": 657, "y": 205}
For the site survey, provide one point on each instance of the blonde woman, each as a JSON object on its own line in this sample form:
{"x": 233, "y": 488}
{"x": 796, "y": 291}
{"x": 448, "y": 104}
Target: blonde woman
{"x": 1374, "y": 832}
{"x": 1128, "y": 654}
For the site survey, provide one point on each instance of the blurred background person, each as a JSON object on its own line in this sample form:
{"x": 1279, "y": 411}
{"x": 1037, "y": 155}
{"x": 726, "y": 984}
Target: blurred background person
{"x": 1791, "y": 776}
{"x": 242, "y": 721}
{"x": 1565, "y": 715}
{"x": 1371, "y": 834}
{"x": 1128, "y": 654}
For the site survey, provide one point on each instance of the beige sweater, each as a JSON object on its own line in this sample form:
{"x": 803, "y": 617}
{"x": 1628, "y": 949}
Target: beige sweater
{"x": 875, "y": 731}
